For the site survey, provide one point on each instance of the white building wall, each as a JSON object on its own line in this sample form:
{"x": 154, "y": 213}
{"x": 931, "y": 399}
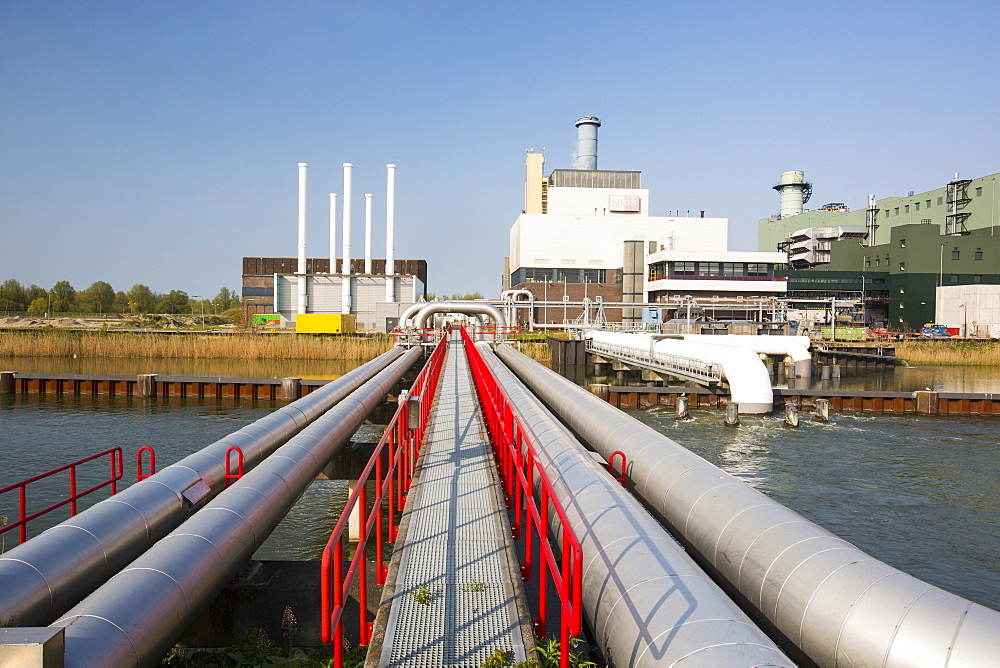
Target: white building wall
{"x": 368, "y": 303}
{"x": 552, "y": 240}
{"x": 595, "y": 201}
{"x": 974, "y": 307}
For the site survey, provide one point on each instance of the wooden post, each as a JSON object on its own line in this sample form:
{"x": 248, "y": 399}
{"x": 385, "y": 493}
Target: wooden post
{"x": 822, "y": 410}
{"x": 7, "y": 382}
{"x": 291, "y": 388}
{"x": 146, "y": 385}
{"x": 681, "y": 408}
{"x": 732, "y": 415}
{"x": 600, "y": 390}
{"x": 927, "y": 402}
{"x": 791, "y": 415}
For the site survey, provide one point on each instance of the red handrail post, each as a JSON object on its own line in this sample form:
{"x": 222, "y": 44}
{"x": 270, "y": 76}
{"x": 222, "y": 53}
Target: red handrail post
{"x": 230, "y": 477}
{"x": 139, "y": 475}
{"x": 622, "y": 468}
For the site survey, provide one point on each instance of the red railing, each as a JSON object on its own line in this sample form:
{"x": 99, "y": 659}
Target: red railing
{"x": 529, "y": 494}
{"x": 621, "y": 469}
{"x": 392, "y": 462}
{"x": 139, "y": 475}
{"x": 231, "y": 477}
{"x": 116, "y": 472}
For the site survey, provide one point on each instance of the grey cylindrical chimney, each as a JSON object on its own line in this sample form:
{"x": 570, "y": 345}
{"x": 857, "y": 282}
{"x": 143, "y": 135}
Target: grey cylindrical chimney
{"x": 586, "y": 142}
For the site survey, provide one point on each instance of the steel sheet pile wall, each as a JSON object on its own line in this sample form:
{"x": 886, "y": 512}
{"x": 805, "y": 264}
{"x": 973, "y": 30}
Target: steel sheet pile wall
{"x": 134, "y": 618}
{"x": 42, "y": 578}
{"x": 645, "y": 599}
{"x": 837, "y": 604}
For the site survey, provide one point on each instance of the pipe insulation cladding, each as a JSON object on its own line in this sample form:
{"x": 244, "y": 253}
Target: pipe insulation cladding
{"x": 53, "y": 571}
{"x": 421, "y": 316}
{"x": 749, "y": 382}
{"x": 136, "y": 616}
{"x": 836, "y": 604}
{"x": 647, "y": 602}
{"x": 795, "y": 348}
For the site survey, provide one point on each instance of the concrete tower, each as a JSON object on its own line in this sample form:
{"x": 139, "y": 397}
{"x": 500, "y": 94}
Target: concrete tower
{"x": 795, "y": 192}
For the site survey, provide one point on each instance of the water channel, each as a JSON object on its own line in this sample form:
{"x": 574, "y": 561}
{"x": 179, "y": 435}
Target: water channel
{"x": 918, "y": 492}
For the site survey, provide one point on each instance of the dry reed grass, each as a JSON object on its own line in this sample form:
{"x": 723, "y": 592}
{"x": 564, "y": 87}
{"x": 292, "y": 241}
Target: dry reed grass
{"x": 950, "y": 353}
{"x": 540, "y": 352}
{"x": 190, "y": 346}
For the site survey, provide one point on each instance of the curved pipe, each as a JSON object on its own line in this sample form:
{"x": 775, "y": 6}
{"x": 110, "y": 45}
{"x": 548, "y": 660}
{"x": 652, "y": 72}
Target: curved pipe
{"x": 647, "y": 602}
{"x": 410, "y": 312}
{"x": 749, "y": 382}
{"x": 45, "y": 576}
{"x": 834, "y": 602}
{"x": 136, "y": 616}
{"x": 466, "y": 307}
{"x": 794, "y": 347}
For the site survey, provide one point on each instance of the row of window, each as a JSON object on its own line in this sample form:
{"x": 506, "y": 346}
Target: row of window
{"x": 546, "y": 275}
{"x": 661, "y": 270}
{"x": 847, "y": 281}
{"x": 926, "y": 204}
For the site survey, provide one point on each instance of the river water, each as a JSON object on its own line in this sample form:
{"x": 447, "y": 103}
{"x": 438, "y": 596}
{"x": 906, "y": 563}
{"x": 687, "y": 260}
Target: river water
{"x": 918, "y": 492}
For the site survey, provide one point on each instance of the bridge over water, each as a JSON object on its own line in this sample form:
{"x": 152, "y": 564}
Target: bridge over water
{"x": 504, "y": 527}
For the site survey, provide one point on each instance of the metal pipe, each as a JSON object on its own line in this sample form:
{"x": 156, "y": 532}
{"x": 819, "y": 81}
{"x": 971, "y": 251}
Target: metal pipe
{"x": 368, "y": 233}
{"x": 835, "y": 603}
{"x": 345, "y": 269}
{"x": 390, "y": 233}
{"x": 795, "y": 347}
{"x": 303, "y": 299}
{"x": 468, "y": 307}
{"x": 647, "y": 602}
{"x": 410, "y": 312}
{"x": 135, "y": 617}
{"x": 45, "y": 576}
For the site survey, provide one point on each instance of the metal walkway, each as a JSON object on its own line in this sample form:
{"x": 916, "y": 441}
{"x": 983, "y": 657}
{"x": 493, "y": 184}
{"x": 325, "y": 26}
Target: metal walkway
{"x": 454, "y": 599}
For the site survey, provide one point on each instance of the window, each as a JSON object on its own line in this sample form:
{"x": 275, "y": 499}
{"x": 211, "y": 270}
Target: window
{"x": 900, "y": 304}
{"x": 954, "y": 254}
{"x": 928, "y": 204}
{"x": 979, "y": 255}
{"x": 954, "y": 278}
{"x": 537, "y": 275}
{"x": 878, "y": 262}
{"x": 902, "y": 290}
{"x": 897, "y": 211}
{"x": 940, "y": 199}
{"x": 979, "y": 192}
{"x": 977, "y": 278}
{"x": 757, "y": 269}
{"x": 684, "y": 268}
{"x": 902, "y": 243}
{"x": 902, "y": 266}
{"x": 868, "y": 263}
{"x": 887, "y": 260}
{"x": 594, "y": 276}
{"x": 906, "y": 209}
{"x": 916, "y": 207}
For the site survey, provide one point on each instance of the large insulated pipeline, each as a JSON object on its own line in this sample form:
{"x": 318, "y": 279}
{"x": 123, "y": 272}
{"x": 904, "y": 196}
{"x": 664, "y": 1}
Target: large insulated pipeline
{"x": 835, "y": 603}
{"x": 42, "y": 578}
{"x": 749, "y": 382}
{"x": 136, "y": 616}
{"x": 794, "y": 347}
{"x": 647, "y": 602}
{"x": 466, "y": 307}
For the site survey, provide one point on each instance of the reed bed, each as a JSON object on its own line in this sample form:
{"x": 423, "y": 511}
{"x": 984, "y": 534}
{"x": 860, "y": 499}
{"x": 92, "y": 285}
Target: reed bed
{"x": 189, "y": 346}
{"x": 540, "y": 352}
{"x": 950, "y": 353}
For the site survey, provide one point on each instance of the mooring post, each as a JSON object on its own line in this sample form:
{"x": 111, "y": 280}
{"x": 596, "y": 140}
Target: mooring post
{"x": 291, "y": 388}
{"x": 836, "y": 371}
{"x": 927, "y": 402}
{"x": 791, "y": 415}
{"x": 681, "y": 408}
{"x": 822, "y": 410}
{"x": 146, "y": 384}
{"x": 827, "y": 370}
{"x": 7, "y": 382}
{"x": 600, "y": 390}
{"x": 732, "y": 415}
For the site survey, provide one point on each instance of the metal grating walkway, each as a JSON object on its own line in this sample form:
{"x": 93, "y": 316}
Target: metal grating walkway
{"x": 455, "y": 546}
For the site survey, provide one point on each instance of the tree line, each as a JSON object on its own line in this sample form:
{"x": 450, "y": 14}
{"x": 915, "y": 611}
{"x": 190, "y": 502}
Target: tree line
{"x": 100, "y": 297}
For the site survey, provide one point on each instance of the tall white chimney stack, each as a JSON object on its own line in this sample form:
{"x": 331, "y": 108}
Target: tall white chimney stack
{"x": 586, "y": 142}
{"x": 333, "y": 233}
{"x": 368, "y": 233}
{"x": 301, "y": 280}
{"x": 346, "y": 268}
{"x": 390, "y": 231}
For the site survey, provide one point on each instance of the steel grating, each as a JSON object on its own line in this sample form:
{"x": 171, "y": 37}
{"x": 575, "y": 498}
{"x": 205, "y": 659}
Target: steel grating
{"x": 454, "y": 602}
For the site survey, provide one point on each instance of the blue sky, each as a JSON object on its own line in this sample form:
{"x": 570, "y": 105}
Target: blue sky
{"x": 157, "y": 143}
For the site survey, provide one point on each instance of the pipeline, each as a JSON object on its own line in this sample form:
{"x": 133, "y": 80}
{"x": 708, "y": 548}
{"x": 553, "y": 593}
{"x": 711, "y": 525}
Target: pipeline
{"x": 795, "y": 347}
{"x": 468, "y": 307}
{"x": 647, "y": 602}
{"x": 48, "y": 574}
{"x": 135, "y": 617}
{"x": 833, "y": 602}
{"x": 749, "y": 382}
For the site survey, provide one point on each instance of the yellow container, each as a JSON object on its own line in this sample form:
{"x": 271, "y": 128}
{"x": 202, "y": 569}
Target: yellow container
{"x": 324, "y": 323}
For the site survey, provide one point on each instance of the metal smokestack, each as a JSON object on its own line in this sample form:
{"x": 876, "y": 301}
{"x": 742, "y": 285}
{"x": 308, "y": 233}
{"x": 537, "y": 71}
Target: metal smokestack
{"x": 333, "y": 233}
{"x": 586, "y": 142}
{"x": 345, "y": 300}
{"x": 390, "y": 231}
{"x": 368, "y": 233}
{"x": 301, "y": 279}
{"x": 795, "y": 192}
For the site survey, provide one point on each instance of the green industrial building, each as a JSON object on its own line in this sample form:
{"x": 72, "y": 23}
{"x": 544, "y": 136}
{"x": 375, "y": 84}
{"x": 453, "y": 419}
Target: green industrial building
{"x": 947, "y": 236}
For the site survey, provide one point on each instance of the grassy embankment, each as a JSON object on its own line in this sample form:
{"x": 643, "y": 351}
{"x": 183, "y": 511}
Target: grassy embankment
{"x": 190, "y": 346}
{"x": 52, "y": 343}
{"x": 949, "y": 353}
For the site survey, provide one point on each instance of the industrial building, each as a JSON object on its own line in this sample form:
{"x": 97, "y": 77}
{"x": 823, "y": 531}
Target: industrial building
{"x": 893, "y": 255}
{"x": 587, "y": 233}
{"x": 360, "y": 291}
